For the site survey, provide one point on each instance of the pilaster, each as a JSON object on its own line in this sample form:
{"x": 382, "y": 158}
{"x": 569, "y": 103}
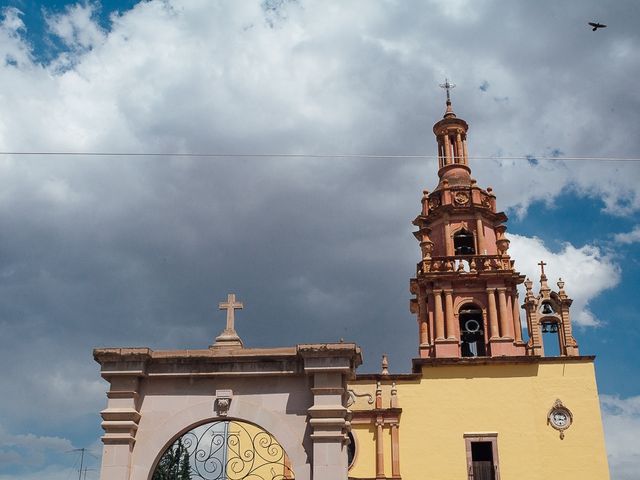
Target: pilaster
{"x": 329, "y": 367}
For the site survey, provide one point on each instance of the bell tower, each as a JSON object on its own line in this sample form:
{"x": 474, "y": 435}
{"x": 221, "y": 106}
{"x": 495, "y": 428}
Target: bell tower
{"x": 466, "y": 298}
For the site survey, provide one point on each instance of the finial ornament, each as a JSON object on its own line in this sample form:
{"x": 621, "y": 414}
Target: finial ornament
{"x": 447, "y": 85}
{"x": 385, "y": 365}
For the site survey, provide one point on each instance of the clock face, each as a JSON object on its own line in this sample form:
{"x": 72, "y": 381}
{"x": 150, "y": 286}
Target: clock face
{"x": 560, "y": 418}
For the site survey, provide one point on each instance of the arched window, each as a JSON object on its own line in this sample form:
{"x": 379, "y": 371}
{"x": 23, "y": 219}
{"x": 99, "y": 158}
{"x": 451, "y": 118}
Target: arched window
{"x": 471, "y": 331}
{"x": 463, "y": 242}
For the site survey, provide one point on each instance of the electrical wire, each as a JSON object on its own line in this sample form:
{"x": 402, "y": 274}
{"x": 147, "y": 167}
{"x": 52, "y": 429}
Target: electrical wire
{"x": 309, "y": 155}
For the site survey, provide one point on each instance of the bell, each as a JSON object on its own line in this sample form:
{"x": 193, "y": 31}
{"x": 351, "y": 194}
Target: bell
{"x": 554, "y": 328}
{"x": 545, "y": 328}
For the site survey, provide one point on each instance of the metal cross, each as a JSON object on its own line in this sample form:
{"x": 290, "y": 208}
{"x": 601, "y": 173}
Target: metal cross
{"x": 230, "y": 306}
{"x": 448, "y": 86}
{"x": 542, "y": 264}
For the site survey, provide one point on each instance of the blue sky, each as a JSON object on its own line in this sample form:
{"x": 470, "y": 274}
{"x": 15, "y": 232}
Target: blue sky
{"x": 138, "y": 251}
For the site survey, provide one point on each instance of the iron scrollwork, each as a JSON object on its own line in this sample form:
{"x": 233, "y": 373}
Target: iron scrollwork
{"x": 232, "y": 450}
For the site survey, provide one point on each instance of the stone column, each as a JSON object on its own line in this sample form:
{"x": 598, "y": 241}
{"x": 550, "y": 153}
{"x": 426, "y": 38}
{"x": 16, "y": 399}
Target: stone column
{"x": 464, "y": 151}
{"x": 447, "y": 238}
{"x": 423, "y": 316}
{"x": 493, "y": 315}
{"x": 437, "y": 298}
{"x": 450, "y": 319}
{"x": 517, "y": 326}
{"x": 460, "y": 158}
{"x": 506, "y": 323}
{"x": 447, "y": 150}
{"x": 480, "y": 235}
{"x": 379, "y": 448}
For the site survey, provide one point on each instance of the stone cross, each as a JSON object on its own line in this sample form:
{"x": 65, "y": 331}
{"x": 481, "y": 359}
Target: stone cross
{"x": 230, "y": 306}
{"x": 229, "y": 338}
{"x": 542, "y": 264}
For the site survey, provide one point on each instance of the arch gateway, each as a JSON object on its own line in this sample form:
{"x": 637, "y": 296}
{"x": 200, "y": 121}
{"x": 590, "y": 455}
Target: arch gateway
{"x": 254, "y": 413}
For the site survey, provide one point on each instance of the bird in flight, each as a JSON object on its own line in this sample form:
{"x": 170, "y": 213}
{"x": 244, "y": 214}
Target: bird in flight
{"x": 596, "y": 26}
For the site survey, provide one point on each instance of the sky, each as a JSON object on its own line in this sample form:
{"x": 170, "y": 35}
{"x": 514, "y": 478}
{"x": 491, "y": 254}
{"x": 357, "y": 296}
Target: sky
{"x": 136, "y": 250}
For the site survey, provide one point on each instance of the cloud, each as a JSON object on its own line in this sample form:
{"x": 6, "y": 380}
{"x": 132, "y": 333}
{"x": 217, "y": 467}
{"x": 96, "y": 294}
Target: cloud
{"x": 621, "y": 419}
{"x": 76, "y": 27}
{"x": 29, "y": 449}
{"x": 629, "y": 237}
{"x": 573, "y": 265}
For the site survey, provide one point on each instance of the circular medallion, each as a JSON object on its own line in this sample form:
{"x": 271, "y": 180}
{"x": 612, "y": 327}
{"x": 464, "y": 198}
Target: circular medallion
{"x": 461, "y": 198}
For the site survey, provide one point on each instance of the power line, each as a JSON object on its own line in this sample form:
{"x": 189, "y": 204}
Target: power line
{"x": 309, "y": 155}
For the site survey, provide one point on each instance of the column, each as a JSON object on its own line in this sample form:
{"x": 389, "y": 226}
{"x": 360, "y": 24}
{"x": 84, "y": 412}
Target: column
{"x": 480, "y": 236}
{"x": 517, "y": 326}
{"x": 379, "y": 449}
{"x": 447, "y": 149}
{"x": 423, "y": 316}
{"x": 464, "y": 151}
{"x": 395, "y": 451}
{"x": 437, "y": 297}
{"x": 506, "y": 324}
{"x": 447, "y": 238}
{"x": 493, "y": 315}
{"x": 450, "y": 319}
{"x": 440, "y": 154}
{"x": 459, "y": 148}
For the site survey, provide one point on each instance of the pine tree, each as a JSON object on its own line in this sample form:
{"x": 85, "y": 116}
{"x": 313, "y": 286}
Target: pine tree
{"x": 174, "y": 464}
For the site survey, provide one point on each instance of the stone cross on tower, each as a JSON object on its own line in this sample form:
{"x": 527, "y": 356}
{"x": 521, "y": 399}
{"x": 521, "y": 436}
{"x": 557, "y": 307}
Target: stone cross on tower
{"x": 542, "y": 265}
{"x": 448, "y": 86}
{"x": 229, "y": 338}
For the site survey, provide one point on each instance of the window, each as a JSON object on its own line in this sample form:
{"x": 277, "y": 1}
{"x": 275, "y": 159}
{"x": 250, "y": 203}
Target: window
{"x": 471, "y": 331}
{"x": 482, "y": 456}
{"x": 464, "y": 243}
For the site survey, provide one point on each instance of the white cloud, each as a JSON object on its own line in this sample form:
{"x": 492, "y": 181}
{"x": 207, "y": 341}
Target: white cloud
{"x": 621, "y": 419}
{"x": 29, "y": 449}
{"x": 629, "y": 237}
{"x": 574, "y": 265}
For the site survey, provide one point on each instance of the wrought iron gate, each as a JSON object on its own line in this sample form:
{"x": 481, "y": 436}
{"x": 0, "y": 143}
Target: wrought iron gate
{"x": 224, "y": 450}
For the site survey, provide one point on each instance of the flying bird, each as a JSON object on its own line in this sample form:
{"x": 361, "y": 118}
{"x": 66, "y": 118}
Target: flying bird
{"x": 596, "y": 26}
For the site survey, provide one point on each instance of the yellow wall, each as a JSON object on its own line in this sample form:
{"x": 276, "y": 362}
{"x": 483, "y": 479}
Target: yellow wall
{"x": 512, "y": 400}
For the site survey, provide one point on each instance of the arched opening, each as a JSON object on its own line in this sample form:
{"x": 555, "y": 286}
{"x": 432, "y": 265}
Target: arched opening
{"x": 224, "y": 450}
{"x": 464, "y": 243}
{"x": 549, "y": 329}
{"x": 471, "y": 331}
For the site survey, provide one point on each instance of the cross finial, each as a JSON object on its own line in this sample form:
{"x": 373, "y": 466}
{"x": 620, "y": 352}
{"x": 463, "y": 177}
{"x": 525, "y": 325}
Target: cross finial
{"x": 542, "y": 265}
{"x": 229, "y": 337}
{"x": 448, "y": 86}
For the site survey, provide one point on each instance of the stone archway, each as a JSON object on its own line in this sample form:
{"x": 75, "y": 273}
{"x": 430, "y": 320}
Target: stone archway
{"x": 224, "y": 449}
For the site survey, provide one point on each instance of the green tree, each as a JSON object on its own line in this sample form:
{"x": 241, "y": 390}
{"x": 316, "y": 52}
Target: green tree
{"x": 174, "y": 464}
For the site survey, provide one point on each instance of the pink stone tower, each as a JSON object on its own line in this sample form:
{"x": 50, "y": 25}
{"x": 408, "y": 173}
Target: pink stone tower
{"x": 465, "y": 289}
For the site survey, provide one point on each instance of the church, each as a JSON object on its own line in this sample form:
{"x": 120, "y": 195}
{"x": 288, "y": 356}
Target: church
{"x": 481, "y": 400}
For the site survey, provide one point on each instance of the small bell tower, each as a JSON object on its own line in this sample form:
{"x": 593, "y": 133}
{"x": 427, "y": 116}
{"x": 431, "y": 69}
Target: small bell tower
{"x": 548, "y": 313}
{"x": 466, "y": 298}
